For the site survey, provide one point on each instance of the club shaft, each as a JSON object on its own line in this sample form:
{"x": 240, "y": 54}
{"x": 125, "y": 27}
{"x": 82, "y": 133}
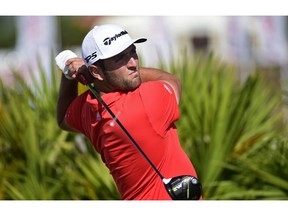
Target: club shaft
{"x": 123, "y": 128}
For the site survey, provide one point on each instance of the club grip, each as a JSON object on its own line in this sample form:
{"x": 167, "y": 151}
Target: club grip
{"x": 81, "y": 79}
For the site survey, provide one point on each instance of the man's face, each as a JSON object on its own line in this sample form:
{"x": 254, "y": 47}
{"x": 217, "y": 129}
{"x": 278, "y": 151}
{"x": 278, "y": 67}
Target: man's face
{"x": 121, "y": 71}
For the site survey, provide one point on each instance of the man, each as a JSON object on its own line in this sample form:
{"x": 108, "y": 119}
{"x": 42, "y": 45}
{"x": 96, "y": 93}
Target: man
{"x": 145, "y": 101}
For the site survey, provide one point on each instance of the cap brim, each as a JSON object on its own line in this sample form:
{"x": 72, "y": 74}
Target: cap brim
{"x": 140, "y": 40}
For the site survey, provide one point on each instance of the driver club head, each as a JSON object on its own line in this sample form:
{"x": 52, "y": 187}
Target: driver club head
{"x": 183, "y": 188}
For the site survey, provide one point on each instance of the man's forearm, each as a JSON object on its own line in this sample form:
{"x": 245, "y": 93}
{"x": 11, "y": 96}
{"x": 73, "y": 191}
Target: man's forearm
{"x": 67, "y": 93}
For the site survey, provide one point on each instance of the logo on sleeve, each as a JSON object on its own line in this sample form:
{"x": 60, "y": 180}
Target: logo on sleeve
{"x": 168, "y": 89}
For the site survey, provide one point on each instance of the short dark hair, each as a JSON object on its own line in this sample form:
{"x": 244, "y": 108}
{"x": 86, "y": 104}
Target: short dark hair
{"x": 100, "y": 63}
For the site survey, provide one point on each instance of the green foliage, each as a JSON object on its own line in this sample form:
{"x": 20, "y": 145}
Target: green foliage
{"x": 9, "y": 31}
{"x": 37, "y": 158}
{"x": 261, "y": 173}
{"x": 234, "y": 133}
{"x": 222, "y": 122}
{"x": 72, "y": 25}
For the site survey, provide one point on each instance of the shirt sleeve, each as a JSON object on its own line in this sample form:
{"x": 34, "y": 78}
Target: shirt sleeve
{"x": 74, "y": 113}
{"x": 160, "y": 104}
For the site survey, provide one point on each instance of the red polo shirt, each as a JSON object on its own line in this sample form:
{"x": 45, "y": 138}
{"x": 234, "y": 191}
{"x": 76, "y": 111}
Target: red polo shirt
{"x": 148, "y": 113}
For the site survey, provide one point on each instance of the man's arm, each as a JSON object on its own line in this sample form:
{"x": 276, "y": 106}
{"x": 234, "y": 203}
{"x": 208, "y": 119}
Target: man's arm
{"x": 152, "y": 74}
{"x": 68, "y": 90}
{"x": 67, "y": 93}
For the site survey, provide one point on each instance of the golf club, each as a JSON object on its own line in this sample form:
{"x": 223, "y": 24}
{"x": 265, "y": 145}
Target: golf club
{"x": 184, "y": 187}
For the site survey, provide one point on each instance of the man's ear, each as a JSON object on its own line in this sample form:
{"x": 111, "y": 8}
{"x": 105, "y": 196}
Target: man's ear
{"x": 96, "y": 72}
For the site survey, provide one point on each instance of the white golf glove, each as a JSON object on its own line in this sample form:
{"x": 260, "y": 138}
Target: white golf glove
{"x": 61, "y": 59}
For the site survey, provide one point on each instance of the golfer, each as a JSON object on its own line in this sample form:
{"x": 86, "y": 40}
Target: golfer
{"x": 145, "y": 101}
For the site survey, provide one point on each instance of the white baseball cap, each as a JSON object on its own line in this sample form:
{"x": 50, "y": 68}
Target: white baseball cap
{"x": 106, "y": 41}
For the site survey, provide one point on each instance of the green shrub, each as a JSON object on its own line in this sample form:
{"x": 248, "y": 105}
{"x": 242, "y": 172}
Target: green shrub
{"x": 233, "y": 132}
{"x": 223, "y": 120}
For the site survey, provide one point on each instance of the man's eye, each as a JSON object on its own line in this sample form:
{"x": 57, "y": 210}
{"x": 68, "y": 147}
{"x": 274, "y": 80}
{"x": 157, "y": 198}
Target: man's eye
{"x": 120, "y": 58}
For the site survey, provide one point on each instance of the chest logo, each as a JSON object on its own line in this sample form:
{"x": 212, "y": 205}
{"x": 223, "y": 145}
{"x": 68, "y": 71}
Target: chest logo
{"x": 98, "y": 117}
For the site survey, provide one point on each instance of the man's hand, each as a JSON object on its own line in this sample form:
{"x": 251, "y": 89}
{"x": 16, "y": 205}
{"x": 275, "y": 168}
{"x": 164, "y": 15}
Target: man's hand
{"x": 78, "y": 70}
{"x": 73, "y": 67}
{"x": 61, "y": 60}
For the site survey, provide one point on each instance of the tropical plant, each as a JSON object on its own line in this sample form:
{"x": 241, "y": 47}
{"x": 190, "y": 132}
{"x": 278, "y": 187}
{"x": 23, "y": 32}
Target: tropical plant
{"x": 234, "y": 133}
{"x": 223, "y": 120}
{"x": 37, "y": 158}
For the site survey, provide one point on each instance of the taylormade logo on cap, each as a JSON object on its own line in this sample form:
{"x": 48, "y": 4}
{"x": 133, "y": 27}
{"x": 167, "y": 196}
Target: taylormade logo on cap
{"x": 106, "y": 41}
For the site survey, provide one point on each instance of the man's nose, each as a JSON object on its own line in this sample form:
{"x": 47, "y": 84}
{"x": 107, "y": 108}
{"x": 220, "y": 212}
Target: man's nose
{"x": 133, "y": 61}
